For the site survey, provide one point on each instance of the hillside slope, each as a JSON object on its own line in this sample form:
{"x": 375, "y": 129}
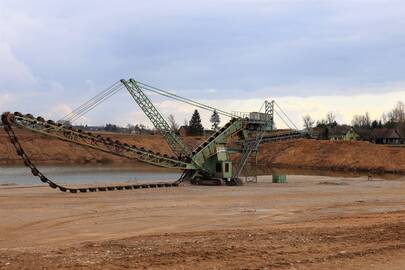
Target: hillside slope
{"x": 302, "y": 153}
{"x": 333, "y": 155}
{"x": 46, "y": 150}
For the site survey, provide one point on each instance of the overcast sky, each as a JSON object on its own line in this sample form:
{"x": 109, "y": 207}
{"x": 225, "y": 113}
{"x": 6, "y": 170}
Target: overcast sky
{"x": 344, "y": 56}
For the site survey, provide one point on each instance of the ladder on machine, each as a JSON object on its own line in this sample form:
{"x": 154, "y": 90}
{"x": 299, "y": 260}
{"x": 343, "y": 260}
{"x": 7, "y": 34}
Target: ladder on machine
{"x": 247, "y": 164}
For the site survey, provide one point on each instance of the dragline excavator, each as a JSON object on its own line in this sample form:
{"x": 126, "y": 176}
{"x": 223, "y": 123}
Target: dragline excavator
{"x": 207, "y": 164}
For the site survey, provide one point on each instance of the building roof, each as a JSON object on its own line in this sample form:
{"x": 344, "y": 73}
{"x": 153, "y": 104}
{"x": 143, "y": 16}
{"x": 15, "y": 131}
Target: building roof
{"x": 339, "y": 130}
{"x": 401, "y": 130}
{"x": 385, "y": 133}
{"x": 184, "y": 127}
{"x": 364, "y": 133}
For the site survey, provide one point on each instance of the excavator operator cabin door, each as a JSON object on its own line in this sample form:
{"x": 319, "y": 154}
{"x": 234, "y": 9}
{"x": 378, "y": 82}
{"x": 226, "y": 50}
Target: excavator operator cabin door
{"x": 224, "y": 169}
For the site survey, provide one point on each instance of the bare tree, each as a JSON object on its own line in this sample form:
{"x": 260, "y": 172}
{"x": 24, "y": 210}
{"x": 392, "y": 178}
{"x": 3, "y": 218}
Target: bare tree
{"x": 397, "y": 115}
{"x": 384, "y": 118}
{"x": 330, "y": 118}
{"x": 215, "y": 120}
{"x": 308, "y": 122}
{"x": 361, "y": 120}
{"x": 130, "y": 128}
{"x": 321, "y": 122}
{"x": 357, "y": 120}
{"x": 173, "y": 124}
{"x": 367, "y": 120}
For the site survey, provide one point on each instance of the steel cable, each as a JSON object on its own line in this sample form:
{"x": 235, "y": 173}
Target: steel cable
{"x": 182, "y": 99}
{"x": 91, "y": 107}
{"x": 282, "y": 119}
{"x": 87, "y": 102}
{"x": 288, "y": 118}
{"x": 92, "y": 103}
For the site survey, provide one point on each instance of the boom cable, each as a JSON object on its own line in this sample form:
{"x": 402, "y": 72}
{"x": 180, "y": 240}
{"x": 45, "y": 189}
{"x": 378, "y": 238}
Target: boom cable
{"x": 288, "y": 118}
{"x": 182, "y": 99}
{"x": 282, "y": 119}
{"x": 89, "y": 108}
{"x": 89, "y": 101}
{"x": 92, "y": 103}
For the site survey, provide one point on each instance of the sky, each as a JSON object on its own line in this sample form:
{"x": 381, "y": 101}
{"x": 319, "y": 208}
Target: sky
{"x": 311, "y": 56}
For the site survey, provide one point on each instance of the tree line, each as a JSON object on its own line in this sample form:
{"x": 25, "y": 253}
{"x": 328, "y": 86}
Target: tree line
{"x": 395, "y": 118}
{"x": 194, "y": 126}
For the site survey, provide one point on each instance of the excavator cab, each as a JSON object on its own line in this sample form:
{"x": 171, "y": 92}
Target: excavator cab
{"x": 224, "y": 169}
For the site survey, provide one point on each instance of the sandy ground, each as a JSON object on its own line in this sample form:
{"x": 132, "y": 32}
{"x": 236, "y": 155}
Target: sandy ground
{"x": 312, "y": 222}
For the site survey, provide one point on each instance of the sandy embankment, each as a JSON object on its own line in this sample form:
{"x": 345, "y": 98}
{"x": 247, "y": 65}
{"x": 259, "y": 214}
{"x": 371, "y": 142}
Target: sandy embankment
{"x": 301, "y": 153}
{"x": 334, "y": 155}
{"x": 46, "y": 150}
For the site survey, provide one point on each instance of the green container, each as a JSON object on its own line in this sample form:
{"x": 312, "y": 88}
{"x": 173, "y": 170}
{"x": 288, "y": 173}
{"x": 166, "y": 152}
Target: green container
{"x": 279, "y": 178}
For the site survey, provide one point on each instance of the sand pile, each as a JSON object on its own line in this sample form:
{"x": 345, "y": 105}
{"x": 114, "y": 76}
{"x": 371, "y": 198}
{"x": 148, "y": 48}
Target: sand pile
{"x": 334, "y": 155}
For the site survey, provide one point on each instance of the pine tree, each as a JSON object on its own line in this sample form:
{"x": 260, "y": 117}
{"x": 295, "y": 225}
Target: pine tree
{"x": 215, "y": 120}
{"x": 196, "y": 128}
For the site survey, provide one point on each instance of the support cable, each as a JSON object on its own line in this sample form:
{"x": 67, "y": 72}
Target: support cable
{"x": 282, "y": 119}
{"x": 182, "y": 99}
{"x": 92, "y": 103}
{"x": 288, "y": 118}
{"x": 89, "y": 108}
{"x": 89, "y": 101}
{"x": 264, "y": 103}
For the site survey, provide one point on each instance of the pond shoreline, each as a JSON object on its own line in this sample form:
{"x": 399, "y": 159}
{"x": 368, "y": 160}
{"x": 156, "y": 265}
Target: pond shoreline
{"x": 11, "y": 176}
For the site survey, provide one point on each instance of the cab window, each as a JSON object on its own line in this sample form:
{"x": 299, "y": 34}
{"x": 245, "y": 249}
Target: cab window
{"x": 226, "y": 167}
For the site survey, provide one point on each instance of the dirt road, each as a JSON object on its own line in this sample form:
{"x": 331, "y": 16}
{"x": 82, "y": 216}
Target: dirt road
{"x": 309, "y": 223}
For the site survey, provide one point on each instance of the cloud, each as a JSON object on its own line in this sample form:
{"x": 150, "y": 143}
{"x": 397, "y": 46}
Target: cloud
{"x": 4, "y": 99}
{"x": 186, "y": 45}
{"x": 58, "y": 111}
{"x": 13, "y": 72}
{"x": 216, "y": 51}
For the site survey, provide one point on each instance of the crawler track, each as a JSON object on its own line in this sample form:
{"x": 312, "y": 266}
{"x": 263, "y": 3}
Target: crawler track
{"x": 6, "y": 118}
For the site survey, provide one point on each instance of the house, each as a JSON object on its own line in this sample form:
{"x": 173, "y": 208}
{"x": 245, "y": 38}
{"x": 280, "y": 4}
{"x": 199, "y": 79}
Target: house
{"x": 342, "y": 133}
{"x": 351, "y": 135}
{"x": 401, "y": 131}
{"x": 386, "y": 136}
{"x": 364, "y": 134}
{"x": 184, "y": 131}
{"x": 319, "y": 133}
